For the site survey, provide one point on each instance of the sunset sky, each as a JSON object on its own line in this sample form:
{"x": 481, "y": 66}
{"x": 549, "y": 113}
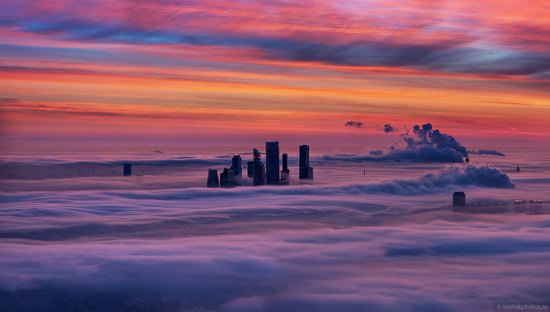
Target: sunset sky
{"x": 210, "y": 71}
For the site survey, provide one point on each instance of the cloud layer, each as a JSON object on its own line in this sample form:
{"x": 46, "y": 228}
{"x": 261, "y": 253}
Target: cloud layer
{"x": 257, "y": 249}
{"x": 461, "y": 46}
{"x": 486, "y": 152}
{"x": 388, "y": 244}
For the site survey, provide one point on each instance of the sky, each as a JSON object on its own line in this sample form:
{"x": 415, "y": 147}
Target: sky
{"x": 215, "y": 72}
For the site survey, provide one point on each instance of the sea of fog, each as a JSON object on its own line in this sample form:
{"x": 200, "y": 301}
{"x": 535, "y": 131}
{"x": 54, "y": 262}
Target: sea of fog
{"x": 76, "y": 235}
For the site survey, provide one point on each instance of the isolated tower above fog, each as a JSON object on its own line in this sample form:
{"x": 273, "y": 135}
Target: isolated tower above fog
{"x": 127, "y": 169}
{"x": 272, "y": 162}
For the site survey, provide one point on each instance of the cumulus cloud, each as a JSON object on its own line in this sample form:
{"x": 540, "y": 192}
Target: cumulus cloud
{"x": 354, "y": 124}
{"x": 481, "y": 176}
{"x": 426, "y": 144}
{"x": 486, "y": 152}
{"x": 389, "y": 128}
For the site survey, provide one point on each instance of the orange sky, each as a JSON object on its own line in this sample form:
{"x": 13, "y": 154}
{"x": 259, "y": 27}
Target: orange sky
{"x": 203, "y": 70}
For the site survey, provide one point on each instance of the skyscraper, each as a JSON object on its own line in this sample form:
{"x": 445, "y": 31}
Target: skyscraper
{"x": 250, "y": 169}
{"x": 236, "y": 165}
{"x": 272, "y": 162}
{"x": 212, "y": 178}
{"x": 227, "y": 178}
{"x": 306, "y": 171}
{"x": 259, "y": 169}
{"x": 285, "y": 173}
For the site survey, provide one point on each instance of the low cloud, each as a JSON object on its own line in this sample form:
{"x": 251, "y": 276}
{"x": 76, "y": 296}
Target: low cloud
{"x": 354, "y": 124}
{"x": 486, "y": 152}
{"x": 389, "y": 128}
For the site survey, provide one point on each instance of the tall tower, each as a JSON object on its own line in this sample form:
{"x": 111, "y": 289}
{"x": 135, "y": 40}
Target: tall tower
{"x": 212, "y": 178}
{"x": 285, "y": 173}
{"x": 259, "y": 169}
{"x": 272, "y": 162}
{"x": 306, "y": 171}
{"x": 236, "y": 165}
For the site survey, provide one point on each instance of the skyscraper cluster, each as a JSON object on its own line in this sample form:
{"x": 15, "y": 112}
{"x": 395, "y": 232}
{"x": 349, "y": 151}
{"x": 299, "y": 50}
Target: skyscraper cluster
{"x": 261, "y": 174}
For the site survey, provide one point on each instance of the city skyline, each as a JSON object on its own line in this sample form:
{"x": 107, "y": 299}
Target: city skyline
{"x": 257, "y": 171}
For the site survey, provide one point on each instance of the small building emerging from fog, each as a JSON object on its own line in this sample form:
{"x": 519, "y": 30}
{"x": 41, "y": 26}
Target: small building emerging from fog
{"x": 459, "y": 199}
{"x": 127, "y": 169}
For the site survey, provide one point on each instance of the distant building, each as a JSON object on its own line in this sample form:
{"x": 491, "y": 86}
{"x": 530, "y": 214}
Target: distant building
{"x": 250, "y": 169}
{"x": 467, "y": 159}
{"x": 127, "y": 169}
{"x": 517, "y": 169}
{"x": 520, "y": 205}
{"x": 236, "y": 165}
{"x": 272, "y": 162}
{"x": 306, "y": 171}
{"x": 259, "y": 169}
{"x": 459, "y": 199}
{"x": 227, "y": 178}
{"x": 535, "y": 206}
{"x": 212, "y": 178}
{"x": 285, "y": 173}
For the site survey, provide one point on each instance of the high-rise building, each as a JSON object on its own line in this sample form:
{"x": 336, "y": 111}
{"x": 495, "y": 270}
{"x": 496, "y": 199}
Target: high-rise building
{"x": 259, "y": 169}
{"x": 236, "y": 165}
{"x": 250, "y": 169}
{"x": 272, "y": 162}
{"x": 459, "y": 199}
{"x": 227, "y": 178}
{"x": 285, "y": 173}
{"x": 306, "y": 171}
{"x": 212, "y": 178}
{"x": 127, "y": 169}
